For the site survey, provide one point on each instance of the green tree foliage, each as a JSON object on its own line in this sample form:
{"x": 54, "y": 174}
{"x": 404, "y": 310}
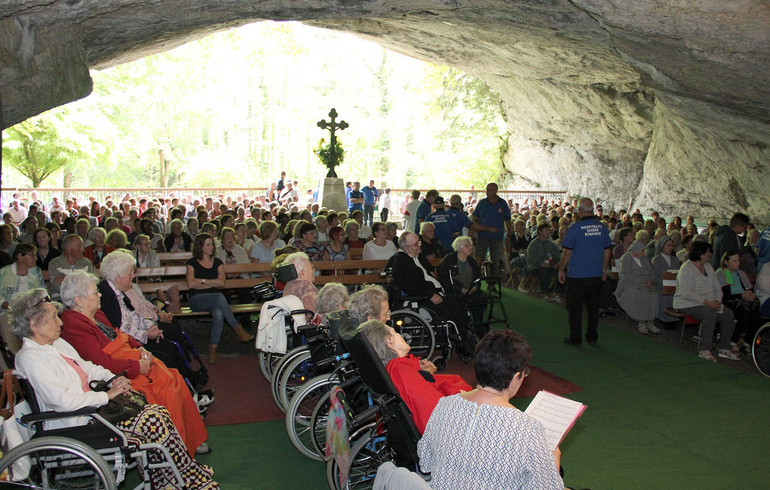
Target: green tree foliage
{"x": 472, "y": 126}
{"x": 41, "y": 146}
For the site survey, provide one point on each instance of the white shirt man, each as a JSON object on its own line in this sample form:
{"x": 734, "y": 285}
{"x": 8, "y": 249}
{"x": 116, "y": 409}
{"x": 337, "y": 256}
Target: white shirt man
{"x": 56, "y": 205}
{"x": 18, "y": 214}
{"x": 289, "y": 193}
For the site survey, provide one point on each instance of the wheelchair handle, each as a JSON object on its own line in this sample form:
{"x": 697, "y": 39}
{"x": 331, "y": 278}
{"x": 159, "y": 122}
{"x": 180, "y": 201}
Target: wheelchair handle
{"x": 372, "y": 412}
{"x": 305, "y": 328}
{"x": 331, "y": 360}
{"x": 365, "y": 416}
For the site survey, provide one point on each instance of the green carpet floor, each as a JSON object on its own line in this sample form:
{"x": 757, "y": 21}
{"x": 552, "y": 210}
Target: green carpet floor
{"x": 657, "y": 417}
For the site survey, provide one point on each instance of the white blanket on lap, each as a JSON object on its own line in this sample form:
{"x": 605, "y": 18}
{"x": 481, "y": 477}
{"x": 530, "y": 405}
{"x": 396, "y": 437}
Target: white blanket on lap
{"x": 271, "y": 334}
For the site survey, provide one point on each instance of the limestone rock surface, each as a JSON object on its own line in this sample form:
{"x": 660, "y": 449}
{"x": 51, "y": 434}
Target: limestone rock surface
{"x": 657, "y": 104}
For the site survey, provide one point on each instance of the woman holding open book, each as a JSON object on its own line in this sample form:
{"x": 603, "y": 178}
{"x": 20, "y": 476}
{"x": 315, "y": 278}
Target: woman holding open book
{"x": 509, "y": 448}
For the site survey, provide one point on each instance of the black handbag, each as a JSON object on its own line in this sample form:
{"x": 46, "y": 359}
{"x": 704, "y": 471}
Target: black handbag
{"x": 122, "y": 407}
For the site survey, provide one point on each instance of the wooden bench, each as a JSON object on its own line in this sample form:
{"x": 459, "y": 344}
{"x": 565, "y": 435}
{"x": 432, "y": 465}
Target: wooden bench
{"x": 348, "y": 272}
{"x": 175, "y": 275}
{"x": 174, "y": 258}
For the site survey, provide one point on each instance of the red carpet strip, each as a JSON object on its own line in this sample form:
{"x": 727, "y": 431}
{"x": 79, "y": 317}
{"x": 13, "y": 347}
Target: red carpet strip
{"x": 243, "y": 395}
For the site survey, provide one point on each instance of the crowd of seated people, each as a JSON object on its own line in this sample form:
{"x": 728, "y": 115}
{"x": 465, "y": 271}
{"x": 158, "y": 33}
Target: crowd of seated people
{"x": 643, "y": 249}
{"x": 77, "y": 235}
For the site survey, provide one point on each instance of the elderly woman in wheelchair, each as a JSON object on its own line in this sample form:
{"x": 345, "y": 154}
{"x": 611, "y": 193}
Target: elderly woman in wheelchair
{"x": 87, "y": 329}
{"x": 414, "y": 378}
{"x": 61, "y": 379}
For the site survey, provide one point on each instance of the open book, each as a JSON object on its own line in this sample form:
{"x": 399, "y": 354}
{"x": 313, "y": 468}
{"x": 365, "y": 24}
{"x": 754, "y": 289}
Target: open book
{"x": 556, "y": 413}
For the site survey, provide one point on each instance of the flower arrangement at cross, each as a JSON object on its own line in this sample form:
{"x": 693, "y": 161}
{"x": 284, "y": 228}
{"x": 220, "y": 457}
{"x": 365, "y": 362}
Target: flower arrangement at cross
{"x": 330, "y": 156}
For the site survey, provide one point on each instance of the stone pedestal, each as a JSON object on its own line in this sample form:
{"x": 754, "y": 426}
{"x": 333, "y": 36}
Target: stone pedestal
{"x": 332, "y": 194}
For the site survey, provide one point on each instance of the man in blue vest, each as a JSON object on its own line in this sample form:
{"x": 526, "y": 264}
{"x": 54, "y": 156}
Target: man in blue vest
{"x": 456, "y": 210}
{"x": 424, "y": 209}
{"x": 445, "y": 225}
{"x": 583, "y": 268}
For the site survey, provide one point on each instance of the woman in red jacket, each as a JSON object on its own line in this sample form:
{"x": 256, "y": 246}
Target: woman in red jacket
{"x": 87, "y": 329}
{"x": 414, "y": 378}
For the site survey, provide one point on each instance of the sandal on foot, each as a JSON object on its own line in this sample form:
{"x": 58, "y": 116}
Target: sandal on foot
{"x": 706, "y": 354}
{"x": 653, "y": 328}
{"x": 728, "y": 354}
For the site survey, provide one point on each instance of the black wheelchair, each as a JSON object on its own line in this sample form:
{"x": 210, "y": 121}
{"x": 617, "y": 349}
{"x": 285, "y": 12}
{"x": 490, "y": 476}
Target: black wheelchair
{"x": 383, "y": 431}
{"x": 96, "y": 455}
{"x": 420, "y": 326}
{"x": 760, "y": 349}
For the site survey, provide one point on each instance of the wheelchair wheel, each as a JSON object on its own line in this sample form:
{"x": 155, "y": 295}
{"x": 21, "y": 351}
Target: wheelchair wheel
{"x": 297, "y": 373}
{"x": 267, "y": 363}
{"x": 367, "y": 453}
{"x": 416, "y": 331}
{"x": 56, "y": 463}
{"x": 760, "y": 349}
{"x": 299, "y": 413}
{"x": 318, "y": 422}
{"x": 280, "y": 368}
{"x": 357, "y": 399}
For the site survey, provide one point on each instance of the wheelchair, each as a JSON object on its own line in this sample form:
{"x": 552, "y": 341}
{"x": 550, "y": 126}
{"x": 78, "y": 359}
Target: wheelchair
{"x": 760, "y": 349}
{"x": 383, "y": 431}
{"x": 55, "y": 462}
{"x": 292, "y": 319}
{"x": 301, "y": 363}
{"x": 422, "y": 328}
{"x": 305, "y": 362}
{"x": 308, "y": 408}
{"x": 96, "y": 455}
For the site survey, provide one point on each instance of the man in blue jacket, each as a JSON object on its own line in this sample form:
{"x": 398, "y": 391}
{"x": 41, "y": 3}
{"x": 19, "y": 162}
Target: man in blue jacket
{"x": 587, "y": 253}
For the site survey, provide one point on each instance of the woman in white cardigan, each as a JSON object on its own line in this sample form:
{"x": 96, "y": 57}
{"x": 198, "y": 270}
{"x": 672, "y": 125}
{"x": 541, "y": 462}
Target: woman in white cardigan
{"x": 61, "y": 381}
{"x": 699, "y": 294}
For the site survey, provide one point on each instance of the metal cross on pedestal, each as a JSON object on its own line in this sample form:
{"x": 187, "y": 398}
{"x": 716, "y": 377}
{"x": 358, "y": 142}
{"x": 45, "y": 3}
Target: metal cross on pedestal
{"x": 332, "y": 126}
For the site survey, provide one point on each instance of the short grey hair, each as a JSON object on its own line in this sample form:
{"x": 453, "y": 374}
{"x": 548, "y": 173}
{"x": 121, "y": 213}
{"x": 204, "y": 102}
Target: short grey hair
{"x": 68, "y": 239}
{"x": 75, "y": 286}
{"x": 97, "y": 231}
{"x": 351, "y": 223}
{"x": 586, "y": 205}
{"x": 117, "y": 263}
{"x": 332, "y": 297}
{"x": 403, "y": 237}
{"x": 377, "y": 333}
{"x": 365, "y": 304}
{"x": 426, "y": 224}
{"x": 300, "y": 260}
{"x": 459, "y": 243}
{"x": 26, "y": 308}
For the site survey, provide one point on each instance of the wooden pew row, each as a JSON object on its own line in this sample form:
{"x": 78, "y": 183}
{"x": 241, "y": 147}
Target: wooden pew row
{"x": 350, "y": 272}
{"x": 179, "y": 258}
